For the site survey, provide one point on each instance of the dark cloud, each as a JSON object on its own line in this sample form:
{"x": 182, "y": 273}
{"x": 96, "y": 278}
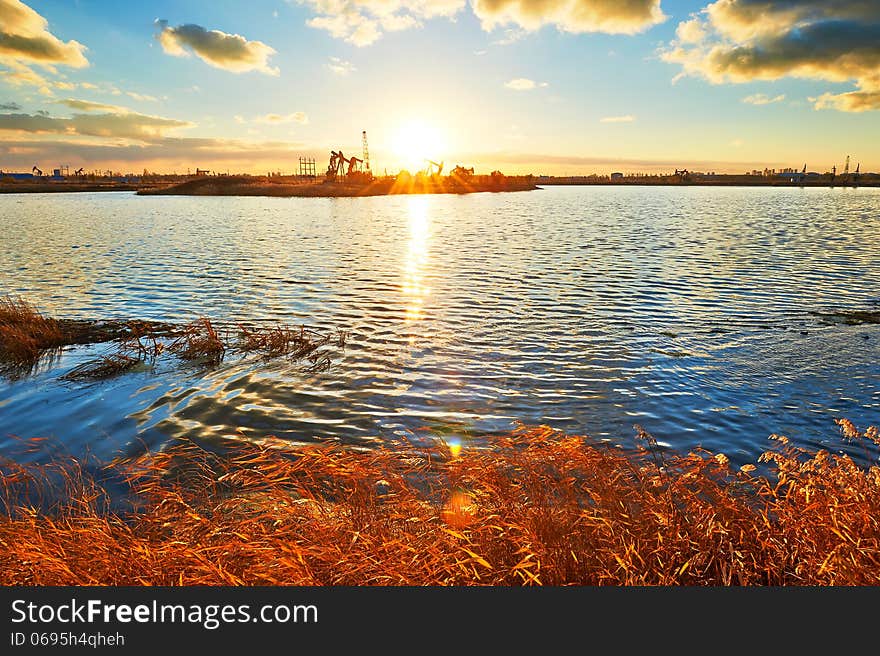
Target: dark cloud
{"x": 836, "y": 50}
{"x": 31, "y": 123}
{"x": 744, "y": 40}
{"x": 231, "y": 52}
{"x": 128, "y": 125}
{"x": 10, "y": 107}
{"x": 167, "y": 154}
{"x": 743, "y": 17}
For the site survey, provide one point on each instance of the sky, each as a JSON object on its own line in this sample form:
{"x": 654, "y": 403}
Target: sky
{"x": 561, "y": 87}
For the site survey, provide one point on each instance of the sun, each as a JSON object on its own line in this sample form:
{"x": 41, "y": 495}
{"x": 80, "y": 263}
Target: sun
{"x": 415, "y": 143}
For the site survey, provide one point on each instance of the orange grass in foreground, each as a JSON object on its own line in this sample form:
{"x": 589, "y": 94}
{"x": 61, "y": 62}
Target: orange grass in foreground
{"x": 539, "y": 507}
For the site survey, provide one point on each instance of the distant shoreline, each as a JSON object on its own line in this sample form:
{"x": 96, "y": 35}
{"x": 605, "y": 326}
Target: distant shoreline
{"x": 247, "y": 186}
{"x": 647, "y": 182}
{"x": 63, "y": 187}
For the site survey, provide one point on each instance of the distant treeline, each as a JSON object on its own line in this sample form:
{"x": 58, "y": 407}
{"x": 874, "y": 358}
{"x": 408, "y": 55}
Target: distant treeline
{"x": 779, "y": 180}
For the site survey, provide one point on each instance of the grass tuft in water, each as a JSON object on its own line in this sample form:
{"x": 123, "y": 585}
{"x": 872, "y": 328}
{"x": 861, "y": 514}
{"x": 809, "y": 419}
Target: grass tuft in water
{"x": 105, "y": 366}
{"x": 201, "y": 342}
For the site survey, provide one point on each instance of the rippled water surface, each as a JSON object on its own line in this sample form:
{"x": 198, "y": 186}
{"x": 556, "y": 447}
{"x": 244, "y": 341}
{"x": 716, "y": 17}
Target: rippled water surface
{"x": 689, "y": 311}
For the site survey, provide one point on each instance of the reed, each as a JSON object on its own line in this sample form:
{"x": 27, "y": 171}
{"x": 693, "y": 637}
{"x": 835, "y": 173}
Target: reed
{"x": 25, "y": 334}
{"x": 537, "y": 508}
{"x": 200, "y": 341}
{"x": 104, "y": 366}
{"x": 280, "y": 340}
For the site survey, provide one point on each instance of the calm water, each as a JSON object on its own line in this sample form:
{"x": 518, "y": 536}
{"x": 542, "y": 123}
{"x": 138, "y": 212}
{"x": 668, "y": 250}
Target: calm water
{"x": 686, "y": 310}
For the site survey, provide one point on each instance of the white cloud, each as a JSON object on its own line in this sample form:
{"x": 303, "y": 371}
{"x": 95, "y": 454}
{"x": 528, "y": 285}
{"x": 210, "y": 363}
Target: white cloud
{"x": 279, "y": 119}
{"x": 524, "y": 84}
{"x": 363, "y": 22}
{"x": 340, "y": 66}
{"x": 763, "y": 99}
{"x": 89, "y": 106}
{"x": 511, "y": 36}
{"x": 576, "y": 16}
{"x": 141, "y": 96}
{"x": 618, "y": 119}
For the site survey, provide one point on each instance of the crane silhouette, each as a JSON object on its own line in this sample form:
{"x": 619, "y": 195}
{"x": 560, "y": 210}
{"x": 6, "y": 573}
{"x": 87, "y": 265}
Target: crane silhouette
{"x": 430, "y": 170}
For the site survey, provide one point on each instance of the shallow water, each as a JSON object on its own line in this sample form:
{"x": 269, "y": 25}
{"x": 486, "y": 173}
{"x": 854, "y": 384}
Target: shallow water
{"x": 685, "y": 310}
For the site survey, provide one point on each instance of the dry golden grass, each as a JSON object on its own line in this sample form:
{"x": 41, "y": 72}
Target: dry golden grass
{"x": 25, "y": 334}
{"x": 538, "y": 507}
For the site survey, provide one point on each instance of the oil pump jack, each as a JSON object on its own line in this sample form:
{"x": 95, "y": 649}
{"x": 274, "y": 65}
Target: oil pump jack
{"x": 358, "y": 170}
{"x": 353, "y": 165}
{"x": 336, "y": 170}
{"x": 36, "y": 171}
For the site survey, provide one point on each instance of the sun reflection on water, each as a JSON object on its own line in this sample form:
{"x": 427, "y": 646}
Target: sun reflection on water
{"x": 414, "y": 290}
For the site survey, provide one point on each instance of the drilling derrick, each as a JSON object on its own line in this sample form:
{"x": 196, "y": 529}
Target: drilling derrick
{"x": 366, "y": 154}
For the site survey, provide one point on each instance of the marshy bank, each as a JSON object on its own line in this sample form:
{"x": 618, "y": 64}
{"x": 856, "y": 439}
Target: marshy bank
{"x": 27, "y": 338}
{"x": 293, "y": 187}
{"x": 538, "y": 508}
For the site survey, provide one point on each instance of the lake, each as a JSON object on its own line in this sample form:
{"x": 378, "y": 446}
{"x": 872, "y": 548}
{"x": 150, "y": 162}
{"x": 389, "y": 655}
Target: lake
{"x": 692, "y": 311}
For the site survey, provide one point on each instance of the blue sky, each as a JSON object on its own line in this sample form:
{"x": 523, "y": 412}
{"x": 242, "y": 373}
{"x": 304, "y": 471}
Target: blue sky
{"x": 577, "y": 88}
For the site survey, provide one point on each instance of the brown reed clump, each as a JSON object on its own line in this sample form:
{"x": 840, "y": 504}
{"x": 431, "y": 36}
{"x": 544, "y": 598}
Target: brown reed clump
{"x": 200, "y": 341}
{"x": 26, "y": 337}
{"x": 25, "y": 334}
{"x": 277, "y": 341}
{"x": 537, "y": 508}
{"x": 105, "y": 366}
{"x": 137, "y": 349}
{"x": 296, "y": 343}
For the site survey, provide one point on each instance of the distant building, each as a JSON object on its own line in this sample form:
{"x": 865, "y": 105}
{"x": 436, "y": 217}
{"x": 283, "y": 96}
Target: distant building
{"x": 616, "y": 176}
